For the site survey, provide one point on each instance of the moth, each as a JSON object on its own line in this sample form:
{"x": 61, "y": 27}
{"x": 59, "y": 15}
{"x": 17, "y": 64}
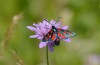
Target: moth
{"x": 57, "y": 34}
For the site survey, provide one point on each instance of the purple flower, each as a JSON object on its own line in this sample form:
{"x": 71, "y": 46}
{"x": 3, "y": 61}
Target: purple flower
{"x": 42, "y": 28}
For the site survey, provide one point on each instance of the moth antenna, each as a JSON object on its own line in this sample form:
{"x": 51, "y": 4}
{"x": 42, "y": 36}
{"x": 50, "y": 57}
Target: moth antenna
{"x": 59, "y": 18}
{"x": 47, "y": 21}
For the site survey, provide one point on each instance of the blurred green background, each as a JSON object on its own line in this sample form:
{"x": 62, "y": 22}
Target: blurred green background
{"x": 83, "y": 17}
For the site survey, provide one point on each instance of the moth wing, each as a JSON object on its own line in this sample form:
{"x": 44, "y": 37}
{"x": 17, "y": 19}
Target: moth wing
{"x": 53, "y": 37}
{"x": 69, "y": 33}
{"x": 50, "y": 36}
{"x": 45, "y": 39}
{"x": 57, "y": 41}
{"x": 61, "y": 34}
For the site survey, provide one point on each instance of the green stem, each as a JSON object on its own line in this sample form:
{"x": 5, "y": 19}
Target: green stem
{"x": 47, "y": 55}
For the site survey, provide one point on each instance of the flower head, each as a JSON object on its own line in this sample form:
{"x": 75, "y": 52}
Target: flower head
{"x": 42, "y": 28}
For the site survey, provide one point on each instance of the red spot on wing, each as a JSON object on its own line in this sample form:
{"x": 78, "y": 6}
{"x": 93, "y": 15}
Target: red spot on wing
{"x": 61, "y": 35}
{"x": 59, "y": 28}
{"x": 53, "y": 37}
{"x": 50, "y": 31}
{"x": 57, "y": 39}
{"x": 67, "y": 32}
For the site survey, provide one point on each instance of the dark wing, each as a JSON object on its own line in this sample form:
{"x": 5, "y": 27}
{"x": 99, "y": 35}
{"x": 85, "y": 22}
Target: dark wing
{"x": 57, "y": 41}
{"x": 63, "y": 34}
{"x": 50, "y": 36}
{"x": 69, "y": 33}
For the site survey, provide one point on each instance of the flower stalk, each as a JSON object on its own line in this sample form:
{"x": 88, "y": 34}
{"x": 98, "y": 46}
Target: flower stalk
{"x": 47, "y": 58}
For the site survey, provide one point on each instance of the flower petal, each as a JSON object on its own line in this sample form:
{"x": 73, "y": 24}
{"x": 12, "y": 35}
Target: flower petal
{"x": 31, "y": 28}
{"x": 50, "y": 47}
{"x": 40, "y": 37}
{"x": 45, "y": 21}
{"x": 42, "y": 44}
{"x": 52, "y": 22}
{"x": 57, "y": 25}
{"x": 65, "y": 27}
{"x": 67, "y": 40}
{"x": 33, "y": 36}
